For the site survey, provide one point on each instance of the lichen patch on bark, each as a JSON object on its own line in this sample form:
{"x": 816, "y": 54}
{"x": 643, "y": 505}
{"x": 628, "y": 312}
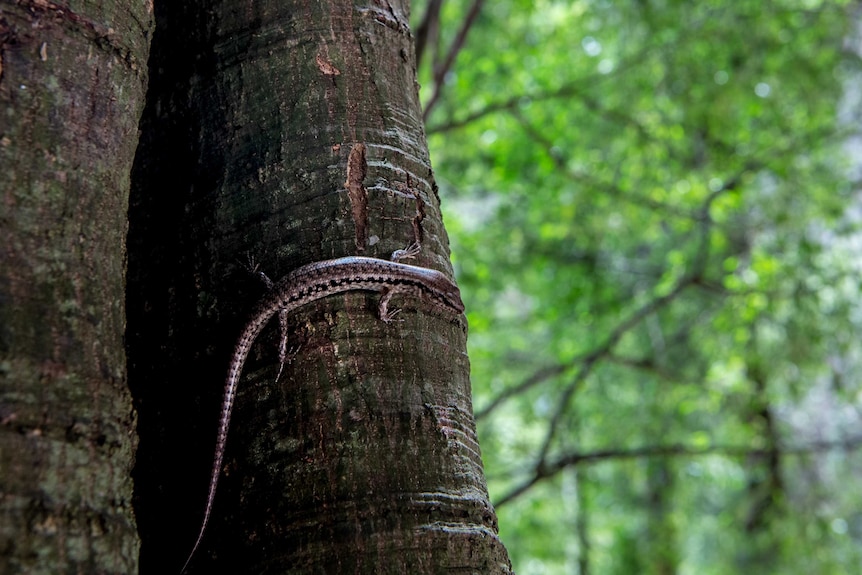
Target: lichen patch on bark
{"x": 326, "y": 66}
{"x": 418, "y": 231}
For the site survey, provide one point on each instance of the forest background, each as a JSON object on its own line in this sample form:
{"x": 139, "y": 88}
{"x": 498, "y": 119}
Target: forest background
{"x": 654, "y": 218}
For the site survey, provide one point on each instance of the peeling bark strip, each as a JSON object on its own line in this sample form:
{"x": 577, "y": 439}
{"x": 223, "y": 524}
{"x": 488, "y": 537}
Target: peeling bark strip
{"x": 357, "y": 168}
{"x": 418, "y": 231}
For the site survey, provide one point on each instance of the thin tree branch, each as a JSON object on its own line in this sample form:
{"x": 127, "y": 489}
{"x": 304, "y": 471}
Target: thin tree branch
{"x": 568, "y": 91}
{"x": 576, "y": 459}
{"x": 610, "y": 189}
{"x": 646, "y": 364}
{"x": 572, "y": 89}
{"x": 544, "y": 373}
{"x": 540, "y": 375}
{"x": 441, "y": 70}
{"x": 428, "y": 30}
{"x": 601, "y": 352}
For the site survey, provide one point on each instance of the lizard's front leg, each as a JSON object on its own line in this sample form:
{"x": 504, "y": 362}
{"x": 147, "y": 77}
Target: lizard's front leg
{"x": 407, "y": 253}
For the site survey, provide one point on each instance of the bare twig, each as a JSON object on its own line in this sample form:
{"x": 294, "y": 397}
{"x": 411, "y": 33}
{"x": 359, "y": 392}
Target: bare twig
{"x": 576, "y": 458}
{"x": 428, "y": 30}
{"x": 601, "y": 352}
{"x": 540, "y": 375}
{"x": 443, "y": 68}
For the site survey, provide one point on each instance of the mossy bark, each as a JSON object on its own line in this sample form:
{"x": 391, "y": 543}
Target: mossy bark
{"x": 291, "y": 132}
{"x": 72, "y": 85}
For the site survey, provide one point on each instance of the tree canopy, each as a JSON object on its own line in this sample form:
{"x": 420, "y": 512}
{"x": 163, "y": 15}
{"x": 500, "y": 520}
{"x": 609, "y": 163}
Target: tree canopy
{"x": 654, "y": 220}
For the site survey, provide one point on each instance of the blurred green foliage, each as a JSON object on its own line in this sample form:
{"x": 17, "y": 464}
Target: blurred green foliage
{"x": 654, "y": 221}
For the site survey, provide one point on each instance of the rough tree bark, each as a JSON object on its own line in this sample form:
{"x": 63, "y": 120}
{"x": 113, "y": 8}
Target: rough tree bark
{"x": 72, "y": 87}
{"x": 291, "y": 132}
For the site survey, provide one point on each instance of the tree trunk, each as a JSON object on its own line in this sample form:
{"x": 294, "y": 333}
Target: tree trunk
{"x": 764, "y": 486}
{"x": 660, "y": 545}
{"x": 71, "y": 89}
{"x": 291, "y": 132}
